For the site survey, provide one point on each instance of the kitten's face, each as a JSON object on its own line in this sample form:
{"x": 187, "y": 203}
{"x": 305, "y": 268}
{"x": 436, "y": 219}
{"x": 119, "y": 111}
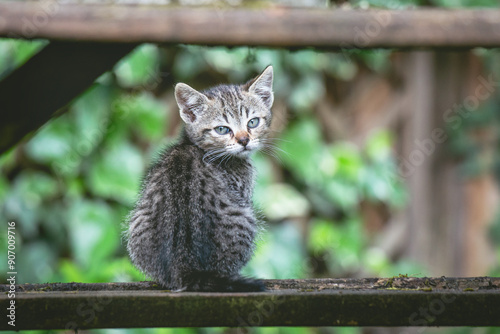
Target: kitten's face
{"x": 227, "y": 119}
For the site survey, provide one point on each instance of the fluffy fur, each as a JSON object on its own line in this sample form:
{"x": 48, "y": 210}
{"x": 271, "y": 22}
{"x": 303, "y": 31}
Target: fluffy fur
{"x": 193, "y": 227}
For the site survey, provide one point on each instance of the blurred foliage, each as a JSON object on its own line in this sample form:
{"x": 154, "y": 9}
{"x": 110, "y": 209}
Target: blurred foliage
{"x": 71, "y": 186}
{"x": 466, "y": 3}
{"x": 14, "y": 53}
{"x": 73, "y": 183}
{"x": 475, "y": 136}
{"x": 403, "y": 4}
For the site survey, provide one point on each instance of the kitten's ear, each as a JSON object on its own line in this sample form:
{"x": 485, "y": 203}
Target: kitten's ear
{"x": 262, "y": 86}
{"x": 191, "y": 102}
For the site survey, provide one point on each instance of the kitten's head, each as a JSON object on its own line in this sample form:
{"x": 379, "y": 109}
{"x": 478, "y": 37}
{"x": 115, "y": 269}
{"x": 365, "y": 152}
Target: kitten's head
{"x": 228, "y": 119}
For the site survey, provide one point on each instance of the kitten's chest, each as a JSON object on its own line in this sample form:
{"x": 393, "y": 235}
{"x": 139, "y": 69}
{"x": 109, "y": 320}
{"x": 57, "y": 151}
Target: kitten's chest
{"x": 233, "y": 181}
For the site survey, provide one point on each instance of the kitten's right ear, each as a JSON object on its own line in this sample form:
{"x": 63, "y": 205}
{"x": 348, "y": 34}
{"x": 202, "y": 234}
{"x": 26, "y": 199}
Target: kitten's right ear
{"x": 262, "y": 86}
{"x": 191, "y": 102}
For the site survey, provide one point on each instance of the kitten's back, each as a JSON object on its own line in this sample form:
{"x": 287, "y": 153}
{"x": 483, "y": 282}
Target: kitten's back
{"x": 194, "y": 225}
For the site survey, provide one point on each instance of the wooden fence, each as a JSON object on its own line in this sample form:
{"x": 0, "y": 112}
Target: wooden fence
{"x": 399, "y": 301}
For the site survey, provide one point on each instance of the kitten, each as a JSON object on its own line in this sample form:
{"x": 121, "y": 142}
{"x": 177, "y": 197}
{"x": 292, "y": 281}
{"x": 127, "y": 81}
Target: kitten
{"x": 193, "y": 227}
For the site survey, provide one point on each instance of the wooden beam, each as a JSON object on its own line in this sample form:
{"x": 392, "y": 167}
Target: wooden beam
{"x": 48, "y": 81}
{"x": 399, "y": 301}
{"x": 266, "y": 26}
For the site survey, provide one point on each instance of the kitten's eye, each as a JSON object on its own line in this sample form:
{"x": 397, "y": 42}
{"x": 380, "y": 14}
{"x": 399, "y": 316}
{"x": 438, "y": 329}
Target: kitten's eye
{"x": 222, "y": 130}
{"x": 253, "y": 122}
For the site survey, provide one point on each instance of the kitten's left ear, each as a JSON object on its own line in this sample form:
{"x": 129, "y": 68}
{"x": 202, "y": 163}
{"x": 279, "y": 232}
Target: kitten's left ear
{"x": 191, "y": 102}
{"x": 262, "y": 86}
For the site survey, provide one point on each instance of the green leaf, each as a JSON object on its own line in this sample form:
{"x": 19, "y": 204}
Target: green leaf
{"x": 36, "y": 261}
{"x": 65, "y": 142}
{"x": 4, "y": 188}
{"x": 466, "y": 3}
{"x": 307, "y": 61}
{"x": 377, "y": 60}
{"x": 376, "y": 261}
{"x": 139, "y": 68}
{"x": 71, "y": 272}
{"x": 8, "y": 158}
{"x": 309, "y": 90}
{"x": 94, "y": 232}
{"x": 121, "y": 270}
{"x": 303, "y": 149}
{"x": 348, "y": 161}
{"x": 190, "y": 61}
{"x": 24, "y": 202}
{"x": 375, "y": 185}
{"x": 379, "y": 146}
{"x": 142, "y": 113}
{"x": 91, "y": 116}
{"x": 342, "y": 193}
{"x": 339, "y": 66}
{"x": 15, "y": 52}
{"x": 322, "y": 236}
{"x": 396, "y": 4}
{"x": 341, "y": 244}
{"x": 223, "y": 60}
{"x": 281, "y": 200}
{"x": 279, "y": 254}
{"x": 116, "y": 172}
{"x": 53, "y": 143}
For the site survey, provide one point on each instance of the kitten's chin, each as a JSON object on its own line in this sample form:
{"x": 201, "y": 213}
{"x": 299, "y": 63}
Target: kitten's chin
{"x": 245, "y": 152}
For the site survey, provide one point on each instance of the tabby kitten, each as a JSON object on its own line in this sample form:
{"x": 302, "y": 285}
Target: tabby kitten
{"x": 193, "y": 227}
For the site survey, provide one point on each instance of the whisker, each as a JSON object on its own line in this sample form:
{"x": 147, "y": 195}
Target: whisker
{"x": 276, "y": 138}
{"x": 276, "y": 148}
{"x": 212, "y": 155}
{"x": 273, "y": 151}
{"x": 275, "y": 157}
{"x": 273, "y": 147}
{"x": 226, "y": 157}
{"x": 219, "y": 156}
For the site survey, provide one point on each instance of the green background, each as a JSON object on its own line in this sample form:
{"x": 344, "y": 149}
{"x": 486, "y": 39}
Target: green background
{"x": 70, "y": 187}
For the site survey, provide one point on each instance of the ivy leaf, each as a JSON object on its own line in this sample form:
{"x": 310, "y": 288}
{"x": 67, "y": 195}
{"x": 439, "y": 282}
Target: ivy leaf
{"x": 139, "y": 68}
{"x": 94, "y": 231}
{"x": 116, "y": 173}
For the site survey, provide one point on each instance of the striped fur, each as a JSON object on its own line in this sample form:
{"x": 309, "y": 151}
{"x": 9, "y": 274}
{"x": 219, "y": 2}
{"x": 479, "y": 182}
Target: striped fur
{"x": 193, "y": 227}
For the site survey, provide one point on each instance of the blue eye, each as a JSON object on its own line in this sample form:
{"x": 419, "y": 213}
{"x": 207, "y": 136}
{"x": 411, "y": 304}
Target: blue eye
{"x": 253, "y": 122}
{"x": 222, "y": 130}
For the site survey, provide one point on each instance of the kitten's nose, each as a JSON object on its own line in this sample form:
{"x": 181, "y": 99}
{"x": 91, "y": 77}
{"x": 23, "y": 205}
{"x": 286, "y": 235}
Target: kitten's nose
{"x": 243, "y": 140}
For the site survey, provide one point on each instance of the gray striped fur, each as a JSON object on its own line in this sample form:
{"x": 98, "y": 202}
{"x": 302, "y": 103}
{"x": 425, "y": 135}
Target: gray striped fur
{"x": 193, "y": 227}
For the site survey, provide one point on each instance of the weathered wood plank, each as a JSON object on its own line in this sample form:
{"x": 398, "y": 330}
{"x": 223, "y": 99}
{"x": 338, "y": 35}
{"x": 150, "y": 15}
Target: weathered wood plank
{"x": 266, "y": 26}
{"x": 48, "y": 81}
{"x": 322, "y": 302}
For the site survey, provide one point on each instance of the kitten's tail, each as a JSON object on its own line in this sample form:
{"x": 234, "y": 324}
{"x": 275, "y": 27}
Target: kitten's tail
{"x": 203, "y": 281}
